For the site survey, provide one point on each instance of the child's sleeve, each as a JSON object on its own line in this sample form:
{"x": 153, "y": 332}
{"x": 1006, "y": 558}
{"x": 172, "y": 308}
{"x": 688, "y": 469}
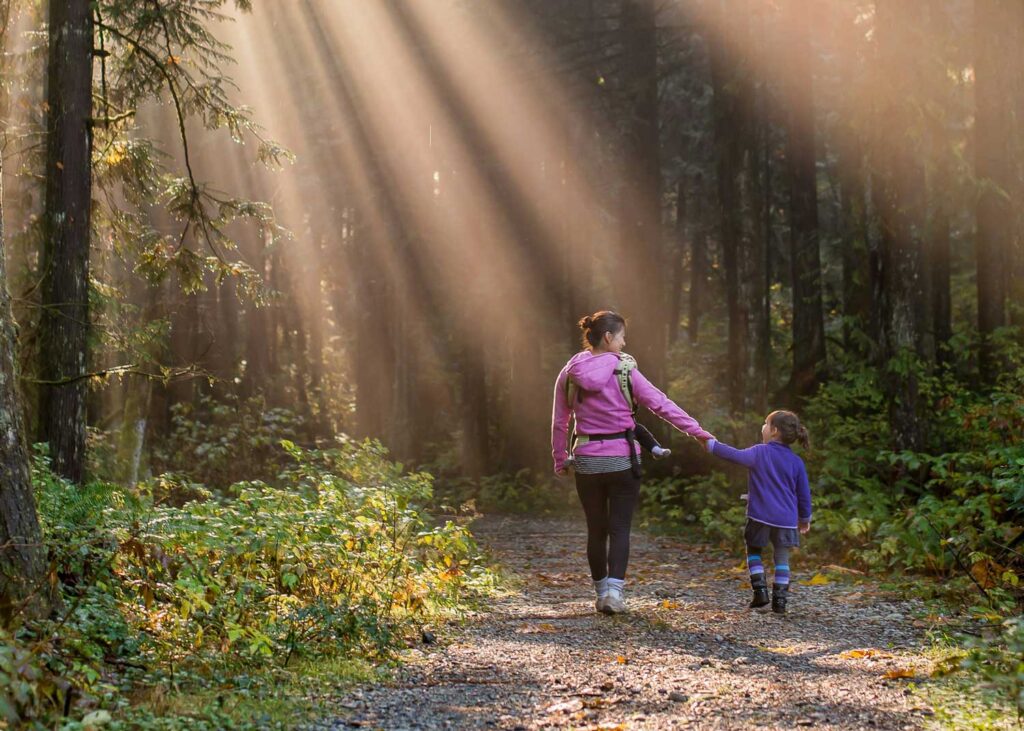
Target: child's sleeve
{"x": 803, "y": 494}
{"x": 647, "y": 395}
{"x": 560, "y": 415}
{"x": 746, "y": 457}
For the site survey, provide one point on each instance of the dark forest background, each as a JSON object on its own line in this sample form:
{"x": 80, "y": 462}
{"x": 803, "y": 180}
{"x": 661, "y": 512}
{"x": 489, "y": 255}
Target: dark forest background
{"x": 323, "y": 222}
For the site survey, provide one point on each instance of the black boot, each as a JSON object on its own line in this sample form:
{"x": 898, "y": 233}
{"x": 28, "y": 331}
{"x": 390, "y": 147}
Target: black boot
{"x": 760, "y": 586}
{"x": 779, "y": 595}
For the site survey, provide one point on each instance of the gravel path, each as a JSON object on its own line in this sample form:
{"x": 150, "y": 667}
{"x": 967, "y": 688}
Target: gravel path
{"x": 689, "y": 654}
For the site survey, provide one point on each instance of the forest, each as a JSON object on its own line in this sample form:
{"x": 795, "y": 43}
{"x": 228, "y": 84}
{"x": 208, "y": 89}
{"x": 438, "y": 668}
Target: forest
{"x": 285, "y": 286}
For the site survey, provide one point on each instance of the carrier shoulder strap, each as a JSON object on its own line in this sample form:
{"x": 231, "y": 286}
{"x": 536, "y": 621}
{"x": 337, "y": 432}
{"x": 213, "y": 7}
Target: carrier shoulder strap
{"x": 572, "y": 391}
{"x": 627, "y": 364}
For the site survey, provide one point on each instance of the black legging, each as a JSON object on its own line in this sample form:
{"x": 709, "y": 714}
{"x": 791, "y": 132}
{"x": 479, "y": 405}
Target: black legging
{"x": 608, "y": 502}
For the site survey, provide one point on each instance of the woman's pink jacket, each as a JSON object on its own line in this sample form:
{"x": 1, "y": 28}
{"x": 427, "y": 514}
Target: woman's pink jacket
{"x": 601, "y": 408}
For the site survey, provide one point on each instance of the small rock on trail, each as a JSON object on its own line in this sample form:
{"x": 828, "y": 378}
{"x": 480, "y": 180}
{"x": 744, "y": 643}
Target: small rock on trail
{"x": 688, "y": 654}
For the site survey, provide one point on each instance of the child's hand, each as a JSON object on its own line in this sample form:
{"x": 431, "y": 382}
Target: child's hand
{"x": 805, "y": 527}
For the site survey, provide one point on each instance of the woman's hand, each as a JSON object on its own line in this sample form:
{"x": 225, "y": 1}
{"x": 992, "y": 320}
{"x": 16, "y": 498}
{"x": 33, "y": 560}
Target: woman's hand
{"x": 805, "y": 527}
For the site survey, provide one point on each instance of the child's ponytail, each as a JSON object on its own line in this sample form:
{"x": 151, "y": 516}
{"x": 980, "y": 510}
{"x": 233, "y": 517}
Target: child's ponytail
{"x": 790, "y": 428}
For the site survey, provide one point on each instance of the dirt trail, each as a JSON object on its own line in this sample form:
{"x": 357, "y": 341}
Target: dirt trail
{"x": 687, "y": 655}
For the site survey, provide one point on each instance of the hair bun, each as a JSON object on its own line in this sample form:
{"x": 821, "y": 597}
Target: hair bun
{"x": 586, "y": 322}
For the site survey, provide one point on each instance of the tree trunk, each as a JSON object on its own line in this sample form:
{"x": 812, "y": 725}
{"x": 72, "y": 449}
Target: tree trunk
{"x": 641, "y": 250}
{"x": 855, "y": 251}
{"x": 808, "y": 310}
{"x": 64, "y": 325}
{"x": 898, "y": 193}
{"x": 698, "y": 262}
{"x": 678, "y": 269}
{"x": 725, "y": 73}
{"x": 938, "y": 252}
{"x": 23, "y": 585}
{"x": 994, "y": 167}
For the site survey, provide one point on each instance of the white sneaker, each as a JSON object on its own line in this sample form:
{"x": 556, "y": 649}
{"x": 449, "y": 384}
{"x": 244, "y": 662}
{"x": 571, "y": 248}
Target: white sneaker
{"x": 599, "y": 604}
{"x": 615, "y": 602}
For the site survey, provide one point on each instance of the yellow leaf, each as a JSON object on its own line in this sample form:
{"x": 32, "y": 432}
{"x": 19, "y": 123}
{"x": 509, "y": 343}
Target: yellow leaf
{"x": 173, "y": 60}
{"x": 622, "y": 660}
{"x": 900, "y": 673}
{"x": 115, "y": 155}
{"x": 816, "y": 580}
{"x": 858, "y": 654}
{"x": 669, "y": 604}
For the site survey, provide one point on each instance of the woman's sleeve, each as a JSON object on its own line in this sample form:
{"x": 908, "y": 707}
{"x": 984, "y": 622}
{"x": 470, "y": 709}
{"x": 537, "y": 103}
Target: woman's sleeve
{"x": 560, "y": 414}
{"x": 803, "y": 495}
{"x": 746, "y": 457}
{"x": 646, "y": 394}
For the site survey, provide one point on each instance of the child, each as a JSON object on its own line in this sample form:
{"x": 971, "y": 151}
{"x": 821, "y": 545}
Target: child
{"x": 778, "y": 503}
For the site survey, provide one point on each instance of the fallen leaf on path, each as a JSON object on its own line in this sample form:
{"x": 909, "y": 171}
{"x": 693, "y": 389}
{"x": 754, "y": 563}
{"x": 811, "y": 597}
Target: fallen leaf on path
{"x": 537, "y": 629}
{"x": 900, "y": 673}
{"x": 816, "y": 580}
{"x": 843, "y": 570}
{"x": 669, "y": 604}
{"x": 869, "y": 653}
{"x": 570, "y": 706}
{"x": 782, "y": 650}
{"x": 622, "y": 660}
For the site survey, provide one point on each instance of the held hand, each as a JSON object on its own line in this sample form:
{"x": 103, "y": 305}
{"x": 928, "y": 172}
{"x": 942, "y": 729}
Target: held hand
{"x": 805, "y": 527}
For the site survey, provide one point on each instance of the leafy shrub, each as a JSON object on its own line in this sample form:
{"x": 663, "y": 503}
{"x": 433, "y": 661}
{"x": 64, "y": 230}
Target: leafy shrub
{"x": 708, "y": 503}
{"x": 210, "y": 441}
{"x": 338, "y": 559}
{"x": 1000, "y": 660}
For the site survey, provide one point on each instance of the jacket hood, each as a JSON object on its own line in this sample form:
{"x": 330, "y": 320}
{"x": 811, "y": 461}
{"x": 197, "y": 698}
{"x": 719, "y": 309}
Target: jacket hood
{"x": 591, "y": 372}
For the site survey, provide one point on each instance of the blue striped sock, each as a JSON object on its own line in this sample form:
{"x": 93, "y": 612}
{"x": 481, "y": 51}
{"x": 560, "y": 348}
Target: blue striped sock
{"x": 782, "y": 574}
{"x": 754, "y": 565}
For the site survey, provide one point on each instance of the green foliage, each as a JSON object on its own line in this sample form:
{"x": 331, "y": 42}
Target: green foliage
{"x": 1000, "y": 660}
{"x": 952, "y": 509}
{"x": 336, "y": 560}
{"x": 522, "y": 492}
{"x": 210, "y": 440}
{"x": 708, "y": 503}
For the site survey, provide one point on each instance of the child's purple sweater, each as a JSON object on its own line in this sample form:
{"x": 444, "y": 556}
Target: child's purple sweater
{"x": 778, "y": 493}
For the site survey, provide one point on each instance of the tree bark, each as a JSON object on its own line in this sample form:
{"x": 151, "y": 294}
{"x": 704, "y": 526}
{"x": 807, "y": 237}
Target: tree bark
{"x": 899, "y": 191}
{"x": 678, "y": 268}
{"x": 64, "y": 325}
{"x": 725, "y": 71}
{"x": 641, "y": 252}
{"x": 698, "y": 262}
{"x": 808, "y": 309}
{"x": 23, "y": 586}
{"x": 994, "y": 168}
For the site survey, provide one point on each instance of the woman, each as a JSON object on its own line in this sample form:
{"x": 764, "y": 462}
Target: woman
{"x": 605, "y": 451}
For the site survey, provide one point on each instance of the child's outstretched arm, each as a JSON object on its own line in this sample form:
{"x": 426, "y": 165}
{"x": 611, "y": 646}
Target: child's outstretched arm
{"x": 746, "y": 457}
